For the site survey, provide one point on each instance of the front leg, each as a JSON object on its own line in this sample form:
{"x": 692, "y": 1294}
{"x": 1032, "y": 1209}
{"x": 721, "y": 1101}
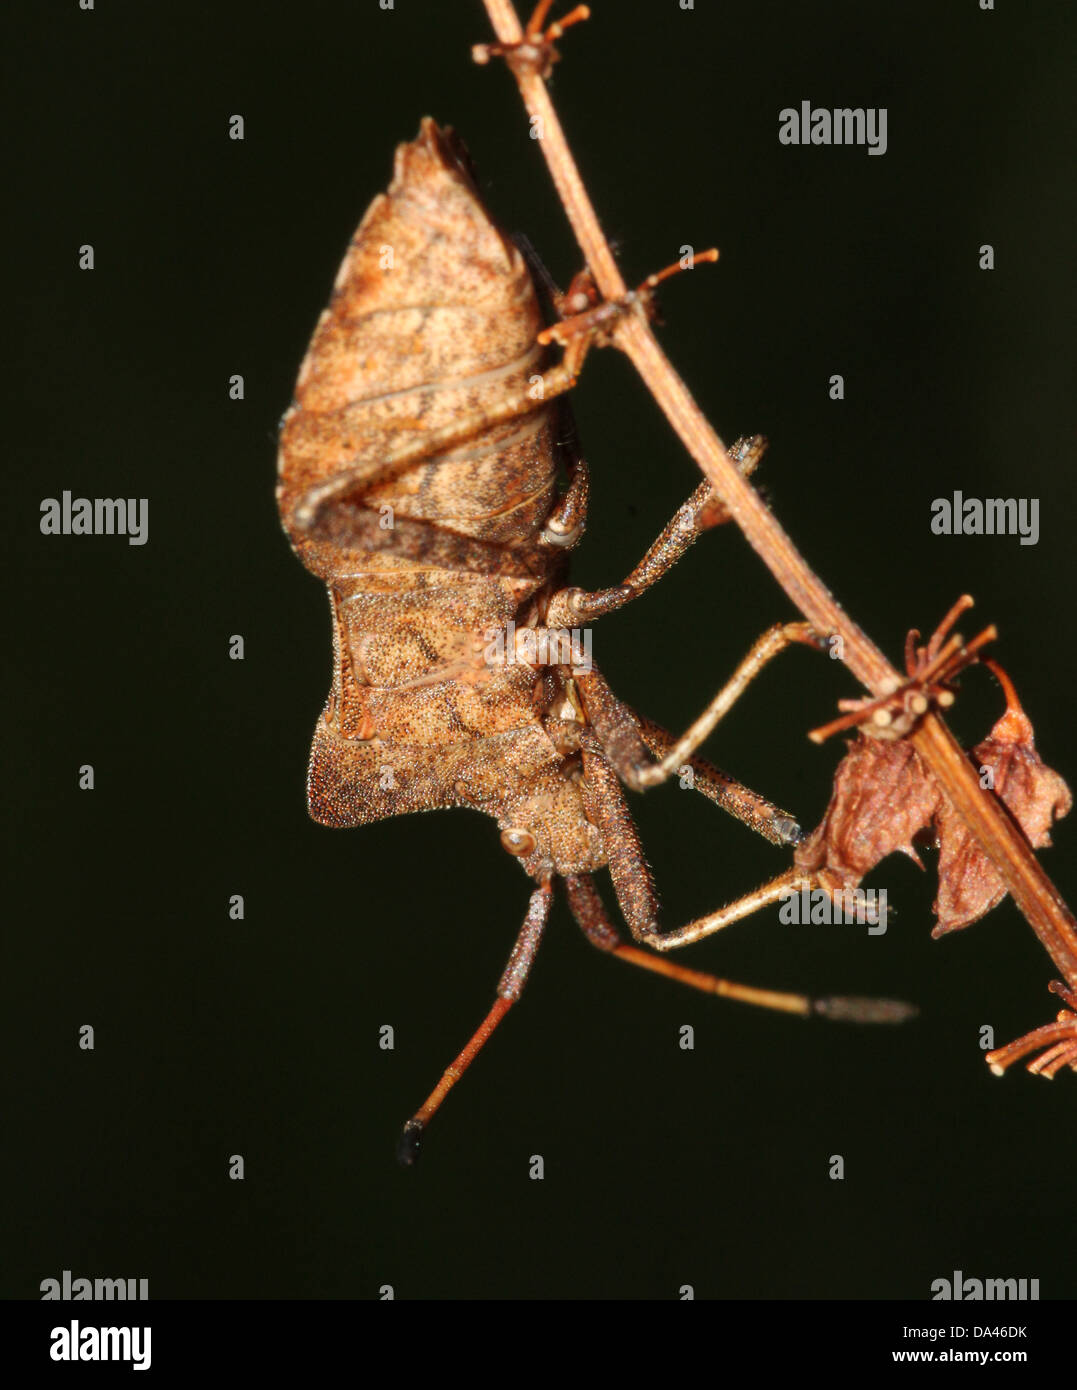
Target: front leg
{"x": 700, "y": 513}
{"x": 751, "y": 809}
{"x": 618, "y": 730}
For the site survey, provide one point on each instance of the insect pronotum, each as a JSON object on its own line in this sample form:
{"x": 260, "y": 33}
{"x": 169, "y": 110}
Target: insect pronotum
{"x": 421, "y": 467}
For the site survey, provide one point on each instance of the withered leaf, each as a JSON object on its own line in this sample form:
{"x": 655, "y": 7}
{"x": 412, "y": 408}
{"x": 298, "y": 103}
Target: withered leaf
{"x": 883, "y": 796}
{"x": 1036, "y": 796}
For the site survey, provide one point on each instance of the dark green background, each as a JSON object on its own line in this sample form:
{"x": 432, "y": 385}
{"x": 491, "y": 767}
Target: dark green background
{"x": 212, "y": 1037}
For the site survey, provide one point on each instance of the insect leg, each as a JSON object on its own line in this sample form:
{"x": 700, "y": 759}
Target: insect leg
{"x": 308, "y": 511}
{"x": 599, "y": 701}
{"x": 590, "y": 913}
{"x": 700, "y": 513}
{"x": 565, "y": 523}
{"x": 509, "y": 989}
{"x": 749, "y": 807}
{"x": 351, "y": 526}
{"x": 626, "y": 737}
{"x": 619, "y": 728}
{"x": 344, "y": 521}
{"x": 605, "y": 808}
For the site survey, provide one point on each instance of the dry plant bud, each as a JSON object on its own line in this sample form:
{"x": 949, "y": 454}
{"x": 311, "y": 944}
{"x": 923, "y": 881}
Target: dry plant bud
{"x": 534, "y": 54}
{"x": 930, "y": 670}
{"x": 1056, "y": 1042}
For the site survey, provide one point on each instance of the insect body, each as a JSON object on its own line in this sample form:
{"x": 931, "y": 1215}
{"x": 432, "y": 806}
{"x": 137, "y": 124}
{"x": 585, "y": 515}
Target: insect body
{"x": 433, "y": 320}
{"x": 420, "y": 477}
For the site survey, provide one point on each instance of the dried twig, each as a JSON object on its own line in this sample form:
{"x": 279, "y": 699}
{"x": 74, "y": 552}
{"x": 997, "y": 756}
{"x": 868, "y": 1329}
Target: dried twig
{"x": 988, "y": 822}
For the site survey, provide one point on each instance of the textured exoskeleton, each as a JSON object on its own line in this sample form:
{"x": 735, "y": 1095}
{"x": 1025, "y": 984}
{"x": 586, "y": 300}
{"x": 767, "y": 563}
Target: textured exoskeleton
{"x": 429, "y": 475}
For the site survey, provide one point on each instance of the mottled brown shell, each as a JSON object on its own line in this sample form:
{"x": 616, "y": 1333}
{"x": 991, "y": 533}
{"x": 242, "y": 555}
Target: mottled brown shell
{"x": 432, "y": 325}
{"x": 433, "y": 317}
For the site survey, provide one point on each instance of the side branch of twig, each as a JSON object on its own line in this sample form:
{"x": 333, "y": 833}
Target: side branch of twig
{"x": 992, "y": 828}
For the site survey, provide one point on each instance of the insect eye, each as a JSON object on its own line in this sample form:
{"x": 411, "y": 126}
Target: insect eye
{"x": 518, "y": 841}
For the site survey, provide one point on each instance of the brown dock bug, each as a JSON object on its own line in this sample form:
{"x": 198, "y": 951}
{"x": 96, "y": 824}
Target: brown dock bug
{"x": 419, "y": 478}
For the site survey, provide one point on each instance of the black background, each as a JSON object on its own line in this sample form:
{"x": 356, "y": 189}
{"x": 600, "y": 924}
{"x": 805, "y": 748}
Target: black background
{"x": 663, "y": 1167}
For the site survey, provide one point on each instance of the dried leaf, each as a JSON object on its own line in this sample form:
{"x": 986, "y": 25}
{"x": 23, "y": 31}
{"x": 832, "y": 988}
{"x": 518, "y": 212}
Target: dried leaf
{"x": 1036, "y": 796}
{"x": 883, "y": 796}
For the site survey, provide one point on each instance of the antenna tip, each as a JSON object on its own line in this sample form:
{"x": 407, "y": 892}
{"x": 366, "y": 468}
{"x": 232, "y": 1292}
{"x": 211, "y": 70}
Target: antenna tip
{"x": 853, "y": 1009}
{"x": 409, "y": 1143}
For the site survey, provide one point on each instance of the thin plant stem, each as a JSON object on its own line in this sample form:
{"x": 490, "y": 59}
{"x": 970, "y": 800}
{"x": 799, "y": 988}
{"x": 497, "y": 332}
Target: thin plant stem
{"x": 987, "y": 819}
